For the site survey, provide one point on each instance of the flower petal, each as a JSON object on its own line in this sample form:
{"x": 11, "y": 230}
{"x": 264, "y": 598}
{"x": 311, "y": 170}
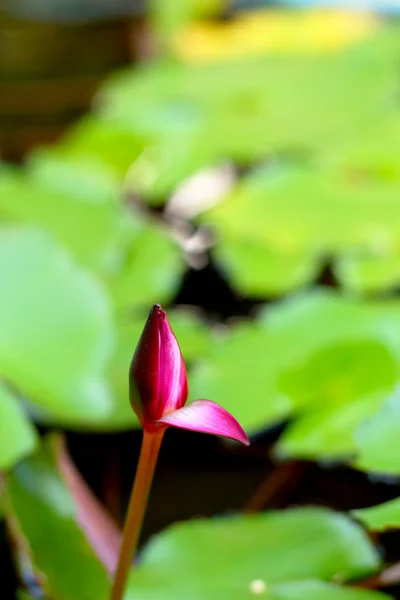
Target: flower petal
{"x": 173, "y": 388}
{"x": 207, "y": 417}
{"x": 157, "y": 377}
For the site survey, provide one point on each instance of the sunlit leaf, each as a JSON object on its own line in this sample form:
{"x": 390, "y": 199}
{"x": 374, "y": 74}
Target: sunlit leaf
{"x": 278, "y": 32}
{"x": 377, "y": 439}
{"x": 340, "y": 215}
{"x": 328, "y": 432}
{"x": 192, "y": 332}
{"x": 111, "y": 145}
{"x": 381, "y": 517}
{"x": 56, "y": 329}
{"x": 255, "y": 270}
{"x": 251, "y": 112}
{"x": 17, "y": 435}
{"x": 39, "y": 502}
{"x": 153, "y": 588}
{"x": 151, "y": 271}
{"x": 369, "y": 273}
{"x": 274, "y": 547}
{"x": 310, "y": 353}
{"x": 73, "y": 202}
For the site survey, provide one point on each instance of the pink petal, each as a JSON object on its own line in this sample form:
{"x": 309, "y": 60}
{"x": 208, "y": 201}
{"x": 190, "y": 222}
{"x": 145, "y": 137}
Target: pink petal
{"x": 173, "y": 388}
{"x": 207, "y": 417}
{"x": 157, "y": 377}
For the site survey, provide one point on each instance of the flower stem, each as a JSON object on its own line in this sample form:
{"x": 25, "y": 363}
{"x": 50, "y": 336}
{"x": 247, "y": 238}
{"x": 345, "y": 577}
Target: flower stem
{"x": 137, "y": 506}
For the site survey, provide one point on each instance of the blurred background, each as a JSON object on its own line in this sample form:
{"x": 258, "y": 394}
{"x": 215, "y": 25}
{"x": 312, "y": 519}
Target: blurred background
{"x": 238, "y": 162}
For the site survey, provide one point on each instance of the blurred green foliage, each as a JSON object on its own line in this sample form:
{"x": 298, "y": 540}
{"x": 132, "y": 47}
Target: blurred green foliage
{"x": 86, "y": 246}
{"x": 234, "y": 552}
{"x": 382, "y": 517}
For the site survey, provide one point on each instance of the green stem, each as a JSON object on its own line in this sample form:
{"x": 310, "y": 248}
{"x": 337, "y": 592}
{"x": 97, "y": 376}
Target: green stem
{"x": 137, "y": 506}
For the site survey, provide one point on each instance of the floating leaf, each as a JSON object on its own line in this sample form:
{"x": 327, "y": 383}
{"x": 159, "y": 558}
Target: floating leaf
{"x": 255, "y": 270}
{"x": 192, "y": 333}
{"x": 51, "y": 508}
{"x": 17, "y": 435}
{"x": 328, "y": 433}
{"x": 274, "y": 547}
{"x": 151, "y": 270}
{"x": 152, "y": 588}
{"x": 45, "y": 493}
{"x": 56, "y": 329}
{"x": 369, "y": 273}
{"x": 75, "y": 202}
{"x": 111, "y": 145}
{"x": 309, "y": 353}
{"x": 249, "y": 113}
{"x": 381, "y": 517}
{"x": 377, "y": 440}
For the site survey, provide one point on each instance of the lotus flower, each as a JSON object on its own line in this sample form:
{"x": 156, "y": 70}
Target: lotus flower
{"x": 159, "y": 390}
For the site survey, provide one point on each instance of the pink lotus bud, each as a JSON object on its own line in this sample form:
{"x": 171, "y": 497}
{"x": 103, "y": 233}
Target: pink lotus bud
{"x": 158, "y": 386}
{"x": 158, "y": 383}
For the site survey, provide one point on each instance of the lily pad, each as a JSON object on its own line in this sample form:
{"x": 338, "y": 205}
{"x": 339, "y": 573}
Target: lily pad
{"x": 306, "y": 354}
{"x": 151, "y": 270}
{"x": 328, "y": 433}
{"x": 369, "y": 273}
{"x": 39, "y": 504}
{"x": 74, "y": 202}
{"x": 274, "y": 547}
{"x": 380, "y": 517}
{"x": 56, "y": 327}
{"x": 279, "y": 550}
{"x": 256, "y": 270}
{"x": 151, "y": 588}
{"x": 17, "y": 434}
{"x": 377, "y": 440}
{"x": 113, "y": 146}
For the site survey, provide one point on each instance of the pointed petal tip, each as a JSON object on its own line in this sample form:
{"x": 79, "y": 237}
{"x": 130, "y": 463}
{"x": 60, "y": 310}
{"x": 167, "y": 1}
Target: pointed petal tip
{"x": 206, "y": 416}
{"x": 157, "y": 309}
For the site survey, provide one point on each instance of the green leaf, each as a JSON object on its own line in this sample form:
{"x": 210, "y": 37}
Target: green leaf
{"x": 339, "y": 390}
{"x": 82, "y": 177}
{"x": 328, "y": 432}
{"x": 240, "y": 374}
{"x": 152, "y": 587}
{"x": 250, "y": 112}
{"x": 38, "y": 501}
{"x": 307, "y": 352}
{"x": 18, "y": 437}
{"x": 316, "y": 590}
{"x": 162, "y": 166}
{"x": 369, "y": 273}
{"x": 381, "y": 517}
{"x": 75, "y": 202}
{"x": 192, "y": 333}
{"x": 377, "y": 440}
{"x": 151, "y": 271}
{"x": 328, "y": 221}
{"x": 111, "y": 145}
{"x": 168, "y": 16}
{"x": 22, "y": 595}
{"x": 274, "y": 547}
{"x": 256, "y": 270}
{"x": 56, "y": 329}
